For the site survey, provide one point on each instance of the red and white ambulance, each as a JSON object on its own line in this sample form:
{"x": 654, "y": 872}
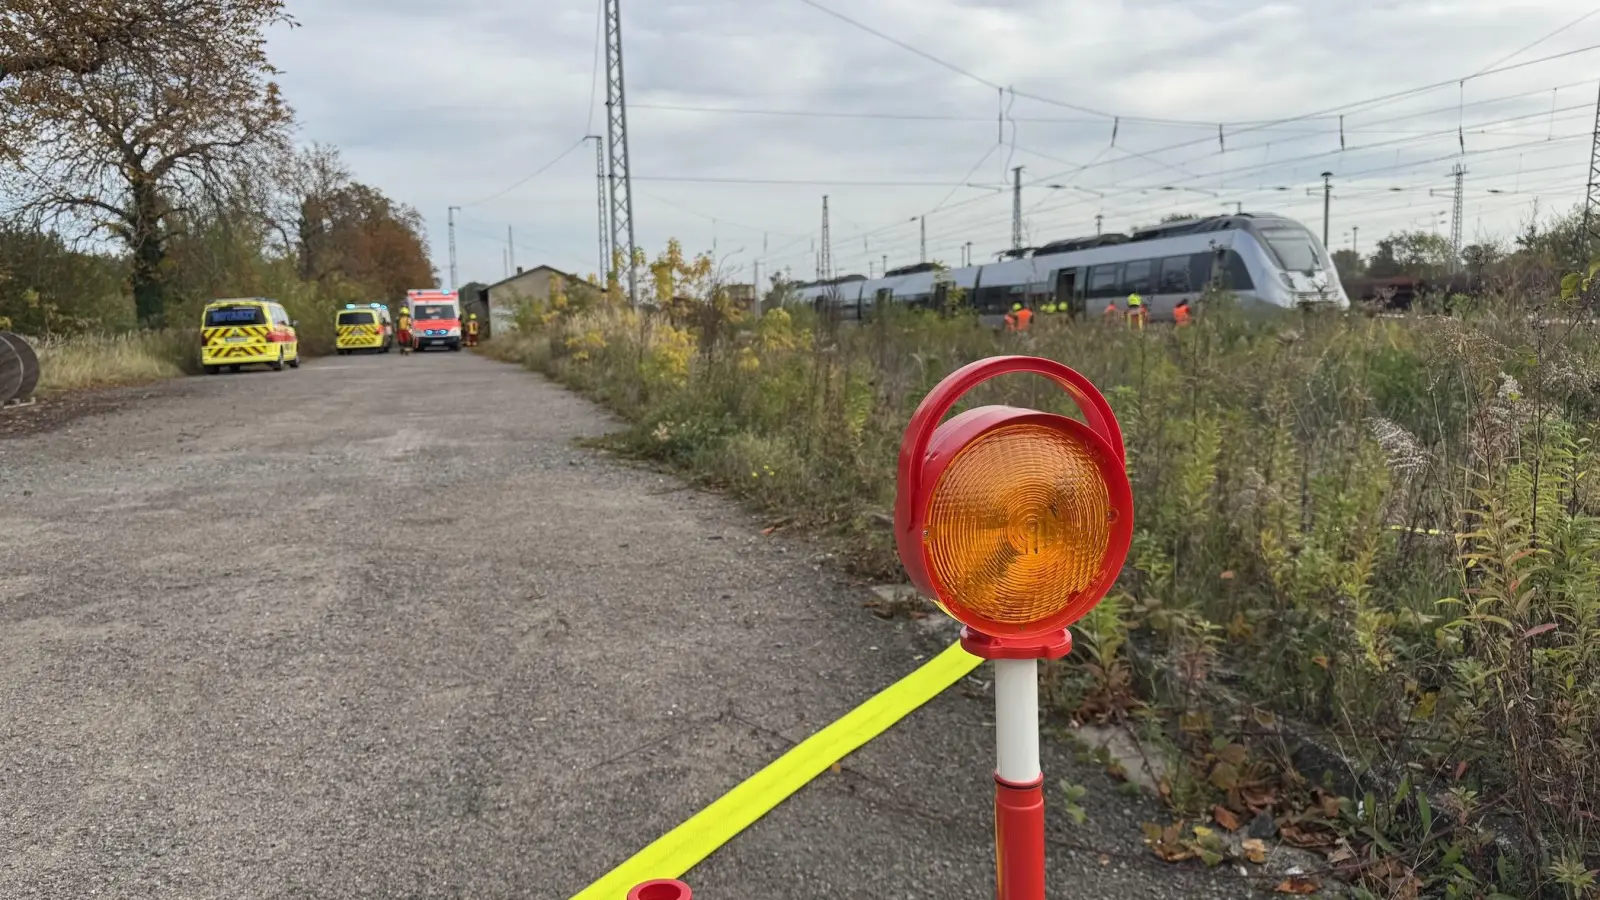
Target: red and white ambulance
{"x": 435, "y": 319}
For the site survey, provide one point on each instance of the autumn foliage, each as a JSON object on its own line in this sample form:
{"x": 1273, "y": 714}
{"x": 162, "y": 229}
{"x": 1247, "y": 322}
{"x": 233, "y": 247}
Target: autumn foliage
{"x": 155, "y": 129}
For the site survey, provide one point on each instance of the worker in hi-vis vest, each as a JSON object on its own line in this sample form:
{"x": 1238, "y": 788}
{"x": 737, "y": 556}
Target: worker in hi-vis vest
{"x": 472, "y": 330}
{"x": 1136, "y": 311}
{"x": 1180, "y": 313}
{"x": 1024, "y": 316}
{"x": 403, "y": 326}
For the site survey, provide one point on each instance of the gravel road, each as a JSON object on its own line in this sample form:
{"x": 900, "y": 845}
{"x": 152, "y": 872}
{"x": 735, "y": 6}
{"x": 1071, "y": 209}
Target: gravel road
{"x": 340, "y": 633}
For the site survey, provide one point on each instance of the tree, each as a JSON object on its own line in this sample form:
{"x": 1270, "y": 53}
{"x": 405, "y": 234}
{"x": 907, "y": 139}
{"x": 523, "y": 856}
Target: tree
{"x": 377, "y": 243}
{"x": 311, "y": 181}
{"x": 46, "y": 287}
{"x": 1419, "y": 254}
{"x": 47, "y": 38}
{"x": 126, "y": 144}
{"x": 337, "y": 228}
{"x": 1348, "y": 263}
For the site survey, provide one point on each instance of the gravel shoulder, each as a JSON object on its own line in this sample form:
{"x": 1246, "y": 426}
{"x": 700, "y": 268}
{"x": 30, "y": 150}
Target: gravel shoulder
{"x": 333, "y": 633}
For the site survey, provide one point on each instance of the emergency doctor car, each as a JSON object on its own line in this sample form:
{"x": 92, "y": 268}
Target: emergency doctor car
{"x": 247, "y": 331}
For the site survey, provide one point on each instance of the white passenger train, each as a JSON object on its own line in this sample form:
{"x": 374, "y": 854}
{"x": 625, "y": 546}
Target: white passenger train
{"x": 1265, "y": 260}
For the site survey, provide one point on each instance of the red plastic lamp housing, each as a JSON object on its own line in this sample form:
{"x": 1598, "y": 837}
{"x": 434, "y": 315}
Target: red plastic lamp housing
{"x": 1015, "y": 521}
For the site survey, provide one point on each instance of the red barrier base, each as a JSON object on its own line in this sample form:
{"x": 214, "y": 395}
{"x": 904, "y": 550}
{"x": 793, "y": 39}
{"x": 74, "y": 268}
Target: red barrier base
{"x": 1019, "y": 840}
{"x": 986, "y": 646}
{"x": 661, "y": 889}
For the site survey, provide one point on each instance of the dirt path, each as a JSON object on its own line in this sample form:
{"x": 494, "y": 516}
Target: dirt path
{"x": 309, "y": 634}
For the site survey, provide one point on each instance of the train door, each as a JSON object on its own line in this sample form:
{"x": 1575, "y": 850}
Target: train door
{"x": 1067, "y": 295}
{"x": 941, "y": 295}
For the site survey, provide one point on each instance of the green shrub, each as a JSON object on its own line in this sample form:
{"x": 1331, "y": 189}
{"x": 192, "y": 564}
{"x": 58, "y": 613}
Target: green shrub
{"x": 1298, "y": 481}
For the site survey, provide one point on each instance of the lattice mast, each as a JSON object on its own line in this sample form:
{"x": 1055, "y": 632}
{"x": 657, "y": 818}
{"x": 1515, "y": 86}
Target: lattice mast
{"x": 1016, "y": 208}
{"x": 825, "y": 256}
{"x": 600, "y": 201}
{"x": 621, "y": 182}
{"x": 1459, "y": 172}
{"x": 452, "y": 217}
{"x": 1591, "y": 206}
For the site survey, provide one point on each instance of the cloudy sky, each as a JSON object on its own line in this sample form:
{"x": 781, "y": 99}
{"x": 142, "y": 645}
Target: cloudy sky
{"x": 742, "y": 114}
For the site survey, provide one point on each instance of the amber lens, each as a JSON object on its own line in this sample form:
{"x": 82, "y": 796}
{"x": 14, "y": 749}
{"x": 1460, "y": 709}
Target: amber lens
{"x": 1019, "y": 523}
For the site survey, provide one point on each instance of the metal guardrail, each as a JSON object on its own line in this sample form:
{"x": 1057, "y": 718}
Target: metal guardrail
{"x": 19, "y": 371}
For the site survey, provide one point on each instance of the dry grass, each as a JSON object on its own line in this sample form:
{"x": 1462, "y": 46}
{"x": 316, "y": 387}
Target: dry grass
{"x": 98, "y": 360}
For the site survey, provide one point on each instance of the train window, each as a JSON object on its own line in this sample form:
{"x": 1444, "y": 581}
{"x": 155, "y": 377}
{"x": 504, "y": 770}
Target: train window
{"x": 1229, "y": 274}
{"x": 1136, "y": 277}
{"x": 1103, "y": 280}
{"x": 1238, "y": 278}
{"x": 1293, "y": 248}
{"x": 993, "y": 298}
{"x": 1174, "y": 275}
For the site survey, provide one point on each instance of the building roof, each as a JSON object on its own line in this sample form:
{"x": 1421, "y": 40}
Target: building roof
{"x": 526, "y": 272}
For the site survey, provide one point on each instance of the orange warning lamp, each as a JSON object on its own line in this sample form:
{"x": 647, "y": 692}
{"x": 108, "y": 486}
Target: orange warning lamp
{"x": 1015, "y": 521}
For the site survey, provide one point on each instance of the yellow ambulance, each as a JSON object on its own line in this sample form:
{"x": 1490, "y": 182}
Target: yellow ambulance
{"x": 246, "y": 331}
{"x": 363, "y": 328}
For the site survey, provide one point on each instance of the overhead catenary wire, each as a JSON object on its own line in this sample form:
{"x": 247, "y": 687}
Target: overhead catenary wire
{"x": 967, "y": 225}
{"x": 1494, "y": 69}
{"x": 1285, "y": 162}
{"x": 1525, "y": 48}
{"x": 1126, "y": 212}
{"x": 540, "y": 171}
{"x": 1368, "y": 102}
{"x": 969, "y": 228}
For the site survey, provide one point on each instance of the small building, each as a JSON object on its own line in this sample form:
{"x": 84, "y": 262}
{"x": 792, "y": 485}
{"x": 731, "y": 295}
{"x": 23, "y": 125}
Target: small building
{"x": 742, "y": 295}
{"x": 505, "y": 296}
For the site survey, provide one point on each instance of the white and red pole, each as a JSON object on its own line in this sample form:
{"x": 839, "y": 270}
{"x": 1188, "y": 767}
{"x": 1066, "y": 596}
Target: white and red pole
{"x": 1018, "y": 776}
{"x": 1018, "y": 782}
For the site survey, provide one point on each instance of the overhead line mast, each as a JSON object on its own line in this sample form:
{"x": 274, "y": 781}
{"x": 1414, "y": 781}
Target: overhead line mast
{"x": 617, "y": 133}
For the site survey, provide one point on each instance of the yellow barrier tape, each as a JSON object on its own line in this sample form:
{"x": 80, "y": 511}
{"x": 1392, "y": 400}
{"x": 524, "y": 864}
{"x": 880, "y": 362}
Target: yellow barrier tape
{"x": 680, "y": 849}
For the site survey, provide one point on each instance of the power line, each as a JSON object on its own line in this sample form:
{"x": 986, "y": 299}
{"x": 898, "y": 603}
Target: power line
{"x": 829, "y": 182}
{"x": 963, "y": 72}
{"x": 1147, "y": 119}
{"x": 902, "y": 44}
{"x": 1368, "y": 104}
{"x": 1348, "y": 129}
{"x": 968, "y": 224}
{"x": 541, "y": 170}
{"x": 1547, "y": 37}
{"x": 846, "y": 114}
{"x": 1372, "y": 102}
{"x": 717, "y": 219}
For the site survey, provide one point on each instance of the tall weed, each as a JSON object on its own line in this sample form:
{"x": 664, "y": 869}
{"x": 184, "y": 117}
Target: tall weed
{"x": 1385, "y": 530}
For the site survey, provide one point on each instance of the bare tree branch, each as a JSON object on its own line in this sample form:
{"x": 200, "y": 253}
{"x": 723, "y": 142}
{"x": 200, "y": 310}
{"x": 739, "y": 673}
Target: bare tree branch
{"x": 184, "y": 112}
